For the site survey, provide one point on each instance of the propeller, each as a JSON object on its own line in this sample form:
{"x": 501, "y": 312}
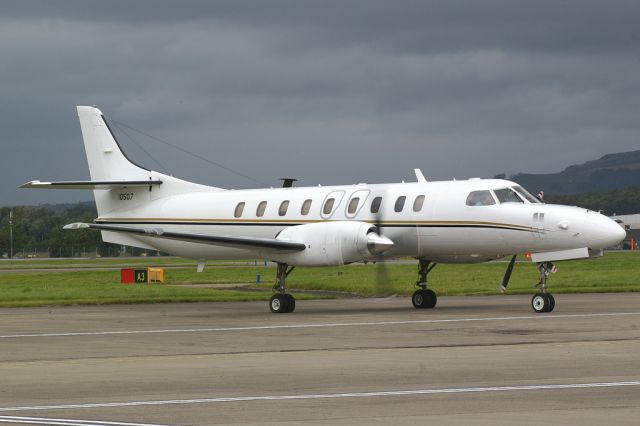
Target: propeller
{"x": 507, "y": 275}
{"x": 381, "y": 245}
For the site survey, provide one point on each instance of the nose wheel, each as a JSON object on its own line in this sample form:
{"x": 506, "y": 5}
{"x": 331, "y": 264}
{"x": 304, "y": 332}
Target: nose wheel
{"x": 543, "y": 301}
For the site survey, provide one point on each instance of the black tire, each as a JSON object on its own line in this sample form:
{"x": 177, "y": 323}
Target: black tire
{"x": 291, "y": 302}
{"x": 419, "y": 299}
{"x": 552, "y": 302}
{"x": 432, "y": 299}
{"x": 540, "y": 303}
{"x": 279, "y": 304}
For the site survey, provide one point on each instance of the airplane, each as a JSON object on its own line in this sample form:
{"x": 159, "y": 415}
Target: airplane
{"x": 459, "y": 221}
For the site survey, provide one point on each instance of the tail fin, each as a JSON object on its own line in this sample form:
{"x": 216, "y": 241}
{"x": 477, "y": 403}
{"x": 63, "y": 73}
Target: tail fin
{"x": 106, "y": 159}
{"x": 107, "y": 162}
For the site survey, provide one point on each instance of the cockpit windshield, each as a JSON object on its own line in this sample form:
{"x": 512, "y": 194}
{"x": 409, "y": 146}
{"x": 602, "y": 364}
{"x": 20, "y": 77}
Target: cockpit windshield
{"x": 507, "y": 195}
{"x": 526, "y": 194}
{"x": 480, "y": 198}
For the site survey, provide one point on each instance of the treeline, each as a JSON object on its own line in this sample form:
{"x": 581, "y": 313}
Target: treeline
{"x": 617, "y": 201}
{"x": 37, "y": 231}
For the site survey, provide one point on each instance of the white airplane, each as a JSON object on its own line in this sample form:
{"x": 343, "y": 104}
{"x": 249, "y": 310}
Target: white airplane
{"x": 468, "y": 221}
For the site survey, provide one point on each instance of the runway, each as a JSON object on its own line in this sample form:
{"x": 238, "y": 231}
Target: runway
{"x": 472, "y": 360}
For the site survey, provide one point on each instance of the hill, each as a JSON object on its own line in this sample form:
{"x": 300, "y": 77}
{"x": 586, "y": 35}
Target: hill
{"x": 613, "y": 171}
{"x": 617, "y": 201}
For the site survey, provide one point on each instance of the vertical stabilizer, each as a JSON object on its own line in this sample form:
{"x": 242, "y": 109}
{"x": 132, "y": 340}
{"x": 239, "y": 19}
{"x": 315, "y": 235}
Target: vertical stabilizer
{"x": 106, "y": 159}
{"x": 107, "y": 162}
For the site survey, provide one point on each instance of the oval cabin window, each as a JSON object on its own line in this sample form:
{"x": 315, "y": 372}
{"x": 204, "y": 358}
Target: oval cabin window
{"x": 418, "y": 203}
{"x": 239, "y": 209}
{"x": 284, "y": 206}
{"x": 328, "y": 206}
{"x": 375, "y": 205}
{"x": 353, "y": 205}
{"x": 261, "y": 208}
{"x": 306, "y": 206}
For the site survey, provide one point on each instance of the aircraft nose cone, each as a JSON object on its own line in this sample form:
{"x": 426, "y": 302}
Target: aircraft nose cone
{"x": 608, "y": 232}
{"x": 378, "y": 244}
{"x": 620, "y": 233}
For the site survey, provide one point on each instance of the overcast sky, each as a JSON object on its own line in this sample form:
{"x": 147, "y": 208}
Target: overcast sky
{"x": 329, "y": 92}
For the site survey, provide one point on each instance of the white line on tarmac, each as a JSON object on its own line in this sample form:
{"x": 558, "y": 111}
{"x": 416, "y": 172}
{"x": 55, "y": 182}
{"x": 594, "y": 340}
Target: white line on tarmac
{"x": 326, "y": 396}
{"x": 295, "y": 326}
{"x": 68, "y": 422}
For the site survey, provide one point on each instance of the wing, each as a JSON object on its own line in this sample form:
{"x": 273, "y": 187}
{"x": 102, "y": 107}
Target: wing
{"x": 78, "y": 184}
{"x": 217, "y": 240}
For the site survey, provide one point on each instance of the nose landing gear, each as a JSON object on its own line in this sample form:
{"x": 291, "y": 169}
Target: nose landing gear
{"x": 543, "y": 301}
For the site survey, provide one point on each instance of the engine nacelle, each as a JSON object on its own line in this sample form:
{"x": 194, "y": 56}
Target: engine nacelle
{"x": 332, "y": 243}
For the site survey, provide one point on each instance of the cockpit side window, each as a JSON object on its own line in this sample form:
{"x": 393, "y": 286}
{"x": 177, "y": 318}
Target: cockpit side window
{"x": 526, "y": 194}
{"x": 507, "y": 195}
{"x": 480, "y": 198}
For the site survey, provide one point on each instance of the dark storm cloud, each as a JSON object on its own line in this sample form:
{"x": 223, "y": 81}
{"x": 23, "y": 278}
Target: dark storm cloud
{"x": 327, "y": 91}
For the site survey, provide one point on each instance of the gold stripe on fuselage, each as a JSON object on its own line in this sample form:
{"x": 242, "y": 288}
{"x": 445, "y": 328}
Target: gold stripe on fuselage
{"x": 258, "y": 222}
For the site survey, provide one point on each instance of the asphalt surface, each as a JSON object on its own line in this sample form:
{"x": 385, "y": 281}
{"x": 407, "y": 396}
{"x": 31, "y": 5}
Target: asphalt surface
{"x": 472, "y": 360}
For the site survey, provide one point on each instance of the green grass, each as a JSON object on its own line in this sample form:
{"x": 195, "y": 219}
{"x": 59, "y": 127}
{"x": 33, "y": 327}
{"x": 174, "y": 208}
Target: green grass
{"x": 615, "y": 272}
{"x": 106, "y": 262}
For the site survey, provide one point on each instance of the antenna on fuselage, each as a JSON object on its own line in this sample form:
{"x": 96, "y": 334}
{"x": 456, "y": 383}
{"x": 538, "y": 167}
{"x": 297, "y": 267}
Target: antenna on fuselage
{"x": 288, "y": 182}
{"x": 420, "y": 176}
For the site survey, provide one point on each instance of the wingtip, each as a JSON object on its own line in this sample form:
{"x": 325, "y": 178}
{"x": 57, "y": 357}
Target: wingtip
{"x": 30, "y": 184}
{"x": 77, "y": 225}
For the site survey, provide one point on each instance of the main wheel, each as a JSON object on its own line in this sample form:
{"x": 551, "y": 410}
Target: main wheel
{"x": 432, "y": 298}
{"x": 541, "y": 302}
{"x": 418, "y": 299}
{"x": 279, "y": 304}
{"x": 422, "y": 299}
{"x": 552, "y": 302}
{"x": 291, "y": 302}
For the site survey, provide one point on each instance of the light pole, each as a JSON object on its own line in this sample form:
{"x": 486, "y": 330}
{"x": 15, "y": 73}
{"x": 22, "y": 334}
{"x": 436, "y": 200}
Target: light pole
{"x": 11, "y": 233}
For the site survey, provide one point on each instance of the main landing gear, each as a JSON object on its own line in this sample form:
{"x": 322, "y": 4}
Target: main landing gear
{"x": 282, "y": 302}
{"x": 424, "y": 297}
{"x": 543, "y": 301}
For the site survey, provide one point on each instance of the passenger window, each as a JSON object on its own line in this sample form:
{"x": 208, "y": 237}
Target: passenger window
{"x": 375, "y": 204}
{"x": 400, "y": 204}
{"x": 353, "y": 205}
{"x": 328, "y": 206}
{"x": 480, "y": 198}
{"x": 506, "y": 195}
{"x": 283, "y": 208}
{"x": 306, "y": 206}
{"x": 239, "y": 209}
{"x": 261, "y": 208}
{"x": 418, "y": 203}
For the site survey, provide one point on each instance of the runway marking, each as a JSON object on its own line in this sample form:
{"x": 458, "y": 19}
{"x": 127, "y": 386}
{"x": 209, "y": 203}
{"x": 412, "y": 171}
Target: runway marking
{"x": 324, "y": 396}
{"x": 70, "y": 422}
{"x": 328, "y": 325}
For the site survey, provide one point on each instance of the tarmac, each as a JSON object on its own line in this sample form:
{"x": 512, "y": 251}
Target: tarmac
{"x": 471, "y": 360}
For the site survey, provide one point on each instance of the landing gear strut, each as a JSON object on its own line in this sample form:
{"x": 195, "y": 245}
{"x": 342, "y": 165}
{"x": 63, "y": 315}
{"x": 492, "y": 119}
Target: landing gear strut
{"x": 543, "y": 301}
{"x": 282, "y": 302}
{"x": 424, "y": 297}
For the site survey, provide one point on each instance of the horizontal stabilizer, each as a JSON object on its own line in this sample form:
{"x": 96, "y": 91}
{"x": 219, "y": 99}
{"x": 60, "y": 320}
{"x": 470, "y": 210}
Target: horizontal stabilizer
{"x": 217, "y": 240}
{"x": 78, "y": 184}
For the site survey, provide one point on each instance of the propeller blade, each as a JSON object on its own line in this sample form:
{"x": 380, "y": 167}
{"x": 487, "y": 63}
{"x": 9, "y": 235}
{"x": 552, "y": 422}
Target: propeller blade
{"x": 507, "y": 274}
{"x": 380, "y": 244}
